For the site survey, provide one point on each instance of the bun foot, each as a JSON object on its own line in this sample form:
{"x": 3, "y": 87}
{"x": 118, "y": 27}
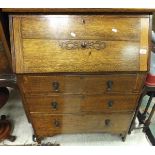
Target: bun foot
{"x": 36, "y": 139}
{"x": 123, "y": 137}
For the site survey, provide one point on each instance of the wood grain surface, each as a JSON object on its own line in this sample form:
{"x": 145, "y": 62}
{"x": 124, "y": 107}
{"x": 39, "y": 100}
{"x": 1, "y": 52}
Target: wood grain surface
{"x": 94, "y": 43}
{"x": 80, "y": 27}
{"x": 68, "y": 104}
{"x": 116, "y": 123}
{"x": 48, "y": 56}
{"x": 144, "y": 44}
{"x": 80, "y": 10}
{"x": 86, "y": 84}
{"x": 80, "y": 72}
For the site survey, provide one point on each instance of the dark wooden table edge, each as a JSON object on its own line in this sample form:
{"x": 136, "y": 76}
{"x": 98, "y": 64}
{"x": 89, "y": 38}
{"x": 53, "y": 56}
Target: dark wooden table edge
{"x": 80, "y": 10}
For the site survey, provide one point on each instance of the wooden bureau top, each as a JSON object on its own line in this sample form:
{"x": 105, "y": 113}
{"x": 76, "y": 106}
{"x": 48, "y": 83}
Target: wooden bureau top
{"x": 80, "y": 43}
{"x": 80, "y": 10}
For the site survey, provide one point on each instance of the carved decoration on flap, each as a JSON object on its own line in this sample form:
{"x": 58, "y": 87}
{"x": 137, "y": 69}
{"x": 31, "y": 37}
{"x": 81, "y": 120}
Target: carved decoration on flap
{"x": 82, "y": 44}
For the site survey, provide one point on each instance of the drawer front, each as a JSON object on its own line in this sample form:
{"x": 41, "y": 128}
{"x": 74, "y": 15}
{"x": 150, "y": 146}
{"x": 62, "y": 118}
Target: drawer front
{"x": 110, "y": 103}
{"x": 79, "y": 103}
{"x": 80, "y": 27}
{"x": 93, "y": 84}
{"x": 101, "y": 43}
{"x": 46, "y": 125}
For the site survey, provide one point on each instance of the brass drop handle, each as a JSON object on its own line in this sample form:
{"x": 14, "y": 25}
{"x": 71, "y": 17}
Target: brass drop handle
{"x": 56, "y": 123}
{"x": 107, "y": 122}
{"x": 55, "y": 86}
{"x": 110, "y": 104}
{"x": 54, "y": 105}
{"x": 109, "y": 85}
{"x": 83, "y": 44}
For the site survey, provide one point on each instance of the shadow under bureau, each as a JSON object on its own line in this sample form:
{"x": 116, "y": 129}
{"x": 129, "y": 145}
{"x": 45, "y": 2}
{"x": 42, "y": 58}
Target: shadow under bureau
{"x": 80, "y": 72}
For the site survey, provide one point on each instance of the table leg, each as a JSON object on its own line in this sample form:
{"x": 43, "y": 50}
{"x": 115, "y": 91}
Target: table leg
{"x": 137, "y": 109}
{"x": 148, "y": 121}
{"x": 143, "y": 117}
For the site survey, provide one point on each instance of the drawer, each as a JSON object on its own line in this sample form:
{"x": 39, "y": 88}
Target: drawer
{"x": 58, "y": 104}
{"x": 91, "y": 84}
{"x": 46, "y": 125}
{"x": 80, "y": 27}
{"x": 101, "y": 43}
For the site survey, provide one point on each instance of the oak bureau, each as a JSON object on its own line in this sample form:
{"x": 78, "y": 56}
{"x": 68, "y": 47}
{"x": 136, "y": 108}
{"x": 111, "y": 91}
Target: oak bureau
{"x": 80, "y": 71}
